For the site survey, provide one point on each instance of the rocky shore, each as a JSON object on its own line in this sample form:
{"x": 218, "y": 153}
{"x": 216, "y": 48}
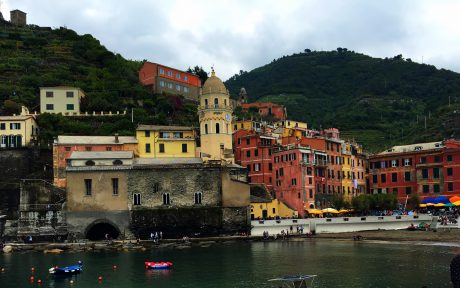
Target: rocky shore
{"x": 441, "y": 235}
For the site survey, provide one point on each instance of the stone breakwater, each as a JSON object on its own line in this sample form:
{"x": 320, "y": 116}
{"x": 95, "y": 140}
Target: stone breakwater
{"x": 126, "y": 245}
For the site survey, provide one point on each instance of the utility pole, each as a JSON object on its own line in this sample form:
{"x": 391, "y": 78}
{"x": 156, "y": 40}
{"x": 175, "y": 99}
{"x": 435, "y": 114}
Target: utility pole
{"x": 132, "y": 115}
{"x": 425, "y": 122}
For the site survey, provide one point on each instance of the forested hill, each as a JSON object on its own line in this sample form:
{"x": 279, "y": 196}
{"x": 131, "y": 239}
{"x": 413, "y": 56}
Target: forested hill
{"x": 32, "y": 57}
{"x": 378, "y": 102}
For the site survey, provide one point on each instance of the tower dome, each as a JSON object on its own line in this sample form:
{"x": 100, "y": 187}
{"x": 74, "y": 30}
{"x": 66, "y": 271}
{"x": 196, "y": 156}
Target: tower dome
{"x": 214, "y": 85}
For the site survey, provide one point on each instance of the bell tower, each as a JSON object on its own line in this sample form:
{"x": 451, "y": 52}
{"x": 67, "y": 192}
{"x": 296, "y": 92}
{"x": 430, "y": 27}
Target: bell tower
{"x": 215, "y": 115}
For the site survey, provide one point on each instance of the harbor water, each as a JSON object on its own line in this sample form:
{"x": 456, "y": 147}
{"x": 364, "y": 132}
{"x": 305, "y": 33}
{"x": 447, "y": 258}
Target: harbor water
{"x": 243, "y": 264}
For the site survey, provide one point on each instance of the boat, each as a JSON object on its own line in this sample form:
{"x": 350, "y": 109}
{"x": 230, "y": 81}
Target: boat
{"x": 68, "y": 270}
{"x": 301, "y": 281}
{"x": 158, "y": 265}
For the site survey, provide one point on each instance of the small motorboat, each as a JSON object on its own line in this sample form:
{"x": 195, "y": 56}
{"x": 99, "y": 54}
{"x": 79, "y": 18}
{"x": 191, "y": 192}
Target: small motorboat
{"x": 301, "y": 281}
{"x": 158, "y": 265}
{"x": 68, "y": 270}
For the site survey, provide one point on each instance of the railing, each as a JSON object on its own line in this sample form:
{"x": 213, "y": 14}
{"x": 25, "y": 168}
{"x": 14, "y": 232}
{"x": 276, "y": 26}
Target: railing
{"x": 214, "y": 106}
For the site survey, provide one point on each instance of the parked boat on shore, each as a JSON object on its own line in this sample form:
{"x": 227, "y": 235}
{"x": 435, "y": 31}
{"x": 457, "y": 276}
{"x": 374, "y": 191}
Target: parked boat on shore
{"x": 68, "y": 270}
{"x": 158, "y": 265}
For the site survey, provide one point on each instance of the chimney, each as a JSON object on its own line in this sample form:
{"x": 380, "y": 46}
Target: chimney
{"x": 116, "y": 138}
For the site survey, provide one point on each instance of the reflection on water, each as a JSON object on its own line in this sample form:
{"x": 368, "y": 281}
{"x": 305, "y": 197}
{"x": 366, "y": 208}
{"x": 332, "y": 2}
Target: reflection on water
{"x": 337, "y": 264}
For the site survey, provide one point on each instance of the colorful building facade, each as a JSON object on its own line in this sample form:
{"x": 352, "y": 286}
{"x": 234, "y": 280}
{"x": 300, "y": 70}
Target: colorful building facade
{"x": 271, "y": 110}
{"x": 18, "y": 131}
{"x": 423, "y": 169}
{"x": 170, "y": 80}
{"x": 166, "y": 141}
{"x": 61, "y": 100}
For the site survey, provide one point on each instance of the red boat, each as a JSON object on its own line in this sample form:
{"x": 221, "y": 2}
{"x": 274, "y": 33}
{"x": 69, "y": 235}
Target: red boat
{"x": 158, "y": 265}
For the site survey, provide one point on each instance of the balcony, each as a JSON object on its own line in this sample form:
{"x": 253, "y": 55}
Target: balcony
{"x": 214, "y": 106}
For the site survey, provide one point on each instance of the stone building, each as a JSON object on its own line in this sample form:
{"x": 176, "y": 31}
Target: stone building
{"x": 18, "y": 18}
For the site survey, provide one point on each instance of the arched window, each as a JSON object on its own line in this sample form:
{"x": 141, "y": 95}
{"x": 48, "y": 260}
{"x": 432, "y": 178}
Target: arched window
{"x": 166, "y": 199}
{"x": 205, "y": 128}
{"x": 225, "y": 102}
{"x": 216, "y": 102}
{"x": 117, "y": 162}
{"x": 90, "y": 163}
{"x": 217, "y": 128}
{"x": 206, "y": 102}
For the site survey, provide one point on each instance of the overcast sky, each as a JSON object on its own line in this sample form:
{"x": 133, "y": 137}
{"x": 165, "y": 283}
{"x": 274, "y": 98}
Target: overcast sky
{"x": 243, "y": 35}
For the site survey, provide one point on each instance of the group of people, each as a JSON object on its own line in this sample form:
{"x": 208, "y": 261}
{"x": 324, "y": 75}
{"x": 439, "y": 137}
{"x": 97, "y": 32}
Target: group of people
{"x": 156, "y": 236}
{"x": 285, "y": 233}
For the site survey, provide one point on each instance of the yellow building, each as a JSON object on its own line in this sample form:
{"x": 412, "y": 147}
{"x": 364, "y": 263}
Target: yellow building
{"x": 291, "y": 124}
{"x": 347, "y": 174}
{"x": 265, "y": 209}
{"x": 61, "y": 99}
{"x": 18, "y": 131}
{"x": 246, "y": 125}
{"x": 215, "y": 115}
{"x": 166, "y": 141}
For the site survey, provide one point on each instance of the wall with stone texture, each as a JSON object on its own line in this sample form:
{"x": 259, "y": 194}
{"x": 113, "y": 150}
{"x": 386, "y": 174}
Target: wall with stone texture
{"x": 79, "y": 222}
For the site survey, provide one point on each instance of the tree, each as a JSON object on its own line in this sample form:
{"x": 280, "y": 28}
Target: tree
{"x": 198, "y": 71}
{"x": 338, "y": 202}
{"x": 414, "y": 201}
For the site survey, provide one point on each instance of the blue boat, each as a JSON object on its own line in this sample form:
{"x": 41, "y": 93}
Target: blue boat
{"x": 68, "y": 270}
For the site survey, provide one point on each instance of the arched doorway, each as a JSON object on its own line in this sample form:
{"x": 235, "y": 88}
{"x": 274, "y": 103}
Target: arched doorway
{"x": 100, "y": 228}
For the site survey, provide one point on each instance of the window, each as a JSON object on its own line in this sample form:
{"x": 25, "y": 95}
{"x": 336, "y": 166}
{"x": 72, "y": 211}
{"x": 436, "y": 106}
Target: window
{"x": 108, "y": 148}
{"x": 177, "y": 76}
{"x": 407, "y": 162}
{"x": 137, "y": 199}
{"x": 156, "y": 187}
{"x": 186, "y": 89}
{"x": 436, "y": 188}
{"x": 147, "y": 148}
{"x": 217, "y": 128}
{"x": 311, "y": 193}
{"x": 69, "y": 94}
{"x": 395, "y": 191}
{"x": 67, "y": 148}
{"x": 206, "y": 102}
{"x": 422, "y": 160}
{"x": 198, "y": 197}
{"x": 70, "y": 107}
{"x": 170, "y": 85}
{"x": 437, "y": 159}
{"x": 162, "y": 83}
{"x": 394, "y": 163}
{"x": 449, "y": 158}
{"x": 2, "y": 126}
{"x": 90, "y": 163}
{"x": 170, "y": 74}
{"x": 162, "y": 148}
{"x": 248, "y": 167}
{"x": 248, "y": 153}
{"x": 117, "y": 162}
{"x": 374, "y": 178}
{"x": 425, "y": 173}
{"x": 257, "y": 167}
{"x": 49, "y": 94}
{"x": 15, "y": 126}
{"x": 294, "y": 181}
{"x": 216, "y": 102}
{"x": 114, "y": 186}
{"x": 407, "y": 177}
{"x": 436, "y": 173}
{"x": 88, "y": 188}
{"x": 408, "y": 190}
{"x": 49, "y": 107}
{"x": 450, "y": 186}
{"x": 450, "y": 172}
{"x": 256, "y": 152}
{"x": 205, "y": 128}
{"x": 270, "y": 166}
{"x": 88, "y": 148}
{"x": 394, "y": 177}
{"x": 162, "y": 71}
{"x": 147, "y": 133}
{"x": 184, "y": 148}
{"x": 426, "y": 188}
{"x": 166, "y": 199}
{"x": 185, "y": 78}
{"x": 248, "y": 141}
{"x": 281, "y": 171}
{"x": 177, "y": 87}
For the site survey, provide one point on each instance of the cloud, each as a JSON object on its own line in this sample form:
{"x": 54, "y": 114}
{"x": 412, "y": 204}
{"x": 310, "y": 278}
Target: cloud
{"x": 243, "y": 35}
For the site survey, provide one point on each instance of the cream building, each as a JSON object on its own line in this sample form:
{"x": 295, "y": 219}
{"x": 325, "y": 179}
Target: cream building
{"x": 61, "y": 99}
{"x": 215, "y": 114}
{"x": 17, "y": 131}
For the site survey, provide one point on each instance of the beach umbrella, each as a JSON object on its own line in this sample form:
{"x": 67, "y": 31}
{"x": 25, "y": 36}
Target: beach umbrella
{"x": 439, "y": 205}
{"x": 429, "y": 204}
{"x": 314, "y": 211}
{"x": 428, "y": 200}
{"x": 456, "y": 203}
{"x": 450, "y": 204}
{"x": 330, "y": 210}
{"x": 441, "y": 199}
{"x": 344, "y": 211}
{"x": 454, "y": 199}
{"x": 422, "y": 205}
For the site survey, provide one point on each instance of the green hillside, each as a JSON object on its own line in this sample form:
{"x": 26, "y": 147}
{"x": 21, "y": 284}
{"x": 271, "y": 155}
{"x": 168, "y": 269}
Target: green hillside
{"x": 378, "y": 102}
{"x": 33, "y": 57}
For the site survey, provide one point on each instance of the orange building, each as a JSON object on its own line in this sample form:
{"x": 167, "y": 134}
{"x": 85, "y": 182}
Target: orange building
{"x": 266, "y": 109}
{"x": 65, "y": 145}
{"x": 166, "y": 79}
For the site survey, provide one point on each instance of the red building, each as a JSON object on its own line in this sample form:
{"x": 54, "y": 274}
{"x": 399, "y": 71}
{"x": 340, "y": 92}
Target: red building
{"x": 166, "y": 79}
{"x": 266, "y": 110}
{"x": 424, "y": 169}
{"x": 254, "y": 151}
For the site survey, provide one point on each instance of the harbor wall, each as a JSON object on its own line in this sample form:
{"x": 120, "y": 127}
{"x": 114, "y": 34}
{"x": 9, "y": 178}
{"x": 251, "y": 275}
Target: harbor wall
{"x": 338, "y": 224}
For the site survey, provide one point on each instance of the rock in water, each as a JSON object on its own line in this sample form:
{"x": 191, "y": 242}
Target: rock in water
{"x": 54, "y": 251}
{"x": 7, "y": 249}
